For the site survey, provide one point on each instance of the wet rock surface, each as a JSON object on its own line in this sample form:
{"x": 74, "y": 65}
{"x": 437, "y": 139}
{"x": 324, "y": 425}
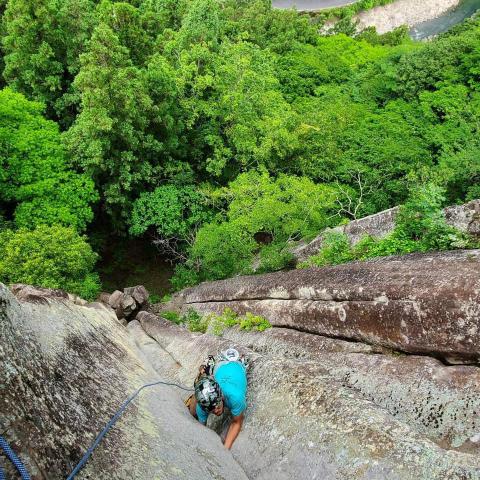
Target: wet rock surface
{"x": 418, "y": 303}
{"x": 65, "y": 369}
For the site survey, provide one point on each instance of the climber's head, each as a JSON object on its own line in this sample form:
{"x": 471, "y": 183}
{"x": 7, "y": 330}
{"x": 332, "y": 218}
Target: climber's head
{"x": 209, "y": 395}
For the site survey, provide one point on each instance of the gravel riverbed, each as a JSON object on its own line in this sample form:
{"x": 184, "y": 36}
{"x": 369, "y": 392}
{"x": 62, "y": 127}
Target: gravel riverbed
{"x": 404, "y": 12}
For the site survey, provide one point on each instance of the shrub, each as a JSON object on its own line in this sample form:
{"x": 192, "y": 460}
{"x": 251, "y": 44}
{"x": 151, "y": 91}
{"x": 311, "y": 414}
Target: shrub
{"x": 274, "y": 257}
{"x": 166, "y": 298}
{"x": 184, "y": 276}
{"x": 254, "y": 322}
{"x": 173, "y": 317}
{"x": 222, "y": 250}
{"x": 53, "y": 257}
{"x": 218, "y": 323}
{"x": 335, "y": 250}
{"x": 154, "y": 298}
{"x": 421, "y": 219}
{"x": 194, "y": 321}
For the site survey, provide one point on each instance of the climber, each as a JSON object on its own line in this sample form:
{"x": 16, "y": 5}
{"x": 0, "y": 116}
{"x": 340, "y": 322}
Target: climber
{"x": 221, "y": 384}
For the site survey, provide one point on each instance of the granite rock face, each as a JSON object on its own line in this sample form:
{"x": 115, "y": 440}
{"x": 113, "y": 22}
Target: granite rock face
{"x": 318, "y": 407}
{"x": 331, "y": 409}
{"x": 439, "y": 401}
{"x": 65, "y": 369}
{"x": 464, "y": 217}
{"x": 417, "y": 303}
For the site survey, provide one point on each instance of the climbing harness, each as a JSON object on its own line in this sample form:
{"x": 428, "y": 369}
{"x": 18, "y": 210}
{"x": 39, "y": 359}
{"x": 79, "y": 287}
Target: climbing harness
{"x": 22, "y": 470}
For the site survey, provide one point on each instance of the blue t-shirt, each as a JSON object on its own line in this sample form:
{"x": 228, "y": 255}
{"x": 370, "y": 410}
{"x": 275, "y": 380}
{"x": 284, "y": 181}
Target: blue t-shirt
{"x": 232, "y": 379}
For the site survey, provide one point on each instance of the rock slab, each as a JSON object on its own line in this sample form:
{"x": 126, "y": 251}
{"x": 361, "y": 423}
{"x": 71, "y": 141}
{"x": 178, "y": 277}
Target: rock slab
{"x": 65, "y": 369}
{"x": 464, "y": 217}
{"x": 418, "y": 303}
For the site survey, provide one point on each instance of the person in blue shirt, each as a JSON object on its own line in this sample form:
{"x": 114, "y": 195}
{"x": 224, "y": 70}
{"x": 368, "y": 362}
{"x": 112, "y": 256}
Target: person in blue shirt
{"x": 227, "y": 388}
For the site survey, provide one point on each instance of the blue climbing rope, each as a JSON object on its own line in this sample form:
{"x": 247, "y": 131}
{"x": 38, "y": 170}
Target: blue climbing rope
{"x": 109, "y": 425}
{"x": 14, "y": 459}
{"x": 23, "y": 472}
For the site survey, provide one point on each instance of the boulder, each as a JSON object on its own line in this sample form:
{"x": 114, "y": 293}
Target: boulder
{"x": 418, "y": 303}
{"x": 139, "y": 293}
{"x": 305, "y": 419}
{"x": 115, "y": 299}
{"x": 65, "y": 370}
{"x": 104, "y": 297}
{"x": 464, "y": 217}
{"x": 123, "y": 304}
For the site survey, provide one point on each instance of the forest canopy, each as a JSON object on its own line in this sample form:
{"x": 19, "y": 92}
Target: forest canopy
{"x": 223, "y": 130}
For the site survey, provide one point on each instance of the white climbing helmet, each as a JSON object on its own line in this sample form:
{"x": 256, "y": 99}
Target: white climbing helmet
{"x": 231, "y": 355}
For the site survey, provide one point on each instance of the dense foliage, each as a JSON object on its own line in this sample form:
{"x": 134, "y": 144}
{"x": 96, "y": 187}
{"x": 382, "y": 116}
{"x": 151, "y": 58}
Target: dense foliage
{"x": 35, "y": 181}
{"x": 262, "y": 215}
{"x": 54, "y": 257}
{"x": 223, "y": 129}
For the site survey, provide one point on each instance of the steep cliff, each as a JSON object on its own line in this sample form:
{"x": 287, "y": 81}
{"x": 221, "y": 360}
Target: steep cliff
{"x": 330, "y": 394}
{"x": 64, "y": 371}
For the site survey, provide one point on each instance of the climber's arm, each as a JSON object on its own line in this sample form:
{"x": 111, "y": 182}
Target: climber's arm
{"x": 233, "y": 430}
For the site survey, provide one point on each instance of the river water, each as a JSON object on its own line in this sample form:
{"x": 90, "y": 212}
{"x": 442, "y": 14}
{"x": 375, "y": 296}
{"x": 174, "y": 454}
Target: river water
{"x": 441, "y": 24}
{"x": 418, "y": 32}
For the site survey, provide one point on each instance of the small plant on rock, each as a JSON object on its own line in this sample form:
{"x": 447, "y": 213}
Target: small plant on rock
{"x": 218, "y": 323}
{"x": 194, "y": 321}
{"x": 173, "y": 317}
{"x": 254, "y": 322}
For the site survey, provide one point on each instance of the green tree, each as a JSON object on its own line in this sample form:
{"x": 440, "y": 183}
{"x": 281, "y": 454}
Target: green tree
{"x": 221, "y": 251}
{"x": 283, "y": 209}
{"x": 236, "y": 118}
{"x": 257, "y": 22}
{"x": 201, "y": 24}
{"x": 42, "y": 41}
{"x": 173, "y": 214}
{"x": 110, "y": 138}
{"x": 34, "y": 177}
{"x": 49, "y": 256}
{"x": 127, "y": 23}
{"x": 159, "y": 15}
{"x": 287, "y": 208}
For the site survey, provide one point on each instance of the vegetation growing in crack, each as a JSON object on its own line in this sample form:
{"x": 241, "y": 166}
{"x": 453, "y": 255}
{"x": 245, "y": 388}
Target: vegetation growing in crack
{"x": 217, "y": 324}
